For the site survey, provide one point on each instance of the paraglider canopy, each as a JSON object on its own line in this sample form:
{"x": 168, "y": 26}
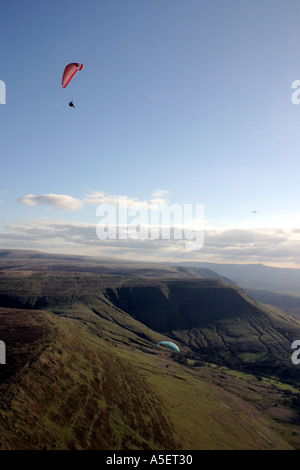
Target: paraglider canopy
{"x": 170, "y": 345}
{"x": 69, "y": 73}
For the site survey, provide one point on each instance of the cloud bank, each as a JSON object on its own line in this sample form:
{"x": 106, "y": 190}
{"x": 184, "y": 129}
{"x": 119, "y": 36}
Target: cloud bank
{"x": 69, "y": 203}
{"x": 276, "y": 247}
{"x": 256, "y": 244}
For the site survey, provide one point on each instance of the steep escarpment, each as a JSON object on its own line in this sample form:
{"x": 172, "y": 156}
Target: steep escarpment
{"x": 214, "y": 321}
{"x": 174, "y": 305}
{"x": 217, "y": 322}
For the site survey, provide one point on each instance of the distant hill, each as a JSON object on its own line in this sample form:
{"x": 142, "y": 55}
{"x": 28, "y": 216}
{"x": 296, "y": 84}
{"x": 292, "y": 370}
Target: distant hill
{"x": 256, "y": 276}
{"x": 26, "y": 260}
{"x": 289, "y": 303}
{"x": 251, "y": 276}
{"x": 19, "y": 254}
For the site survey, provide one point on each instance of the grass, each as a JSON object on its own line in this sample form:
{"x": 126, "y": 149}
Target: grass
{"x": 83, "y": 392}
{"x": 85, "y": 372}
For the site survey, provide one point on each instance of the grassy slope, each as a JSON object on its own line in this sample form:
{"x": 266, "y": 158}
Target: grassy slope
{"x": 80, "y": 393}
{"x": 78, "y": 390}
{"x": 92, "y": 377}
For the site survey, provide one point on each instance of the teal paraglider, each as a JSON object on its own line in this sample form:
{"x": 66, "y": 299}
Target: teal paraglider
{"x": 170, "y": 345}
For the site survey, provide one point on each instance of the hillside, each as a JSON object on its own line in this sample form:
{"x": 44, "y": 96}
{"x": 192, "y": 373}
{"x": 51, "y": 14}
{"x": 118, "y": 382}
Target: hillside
{"x": 256, "y": 276}
{"x": 217, "y": 322}
{"x": 34, "y": 261}
{"x": 76, "y": 390}
{"x": 287, "y": 302}
{"x": 83, "y": 370}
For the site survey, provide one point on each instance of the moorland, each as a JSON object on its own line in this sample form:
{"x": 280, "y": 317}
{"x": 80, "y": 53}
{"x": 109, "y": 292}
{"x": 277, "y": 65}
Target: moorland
{"x": 83, "y": 370}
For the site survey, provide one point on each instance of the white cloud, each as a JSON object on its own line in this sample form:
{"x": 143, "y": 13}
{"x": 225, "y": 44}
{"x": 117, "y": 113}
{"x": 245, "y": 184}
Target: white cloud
{"x": 274, "y": 247}
{"x": 239, "y": 243}
{"x": 69, "y": 203}
{"x": 99, "y": 197}
{"x": 159, "y": 193}
{"x": 157, "y": 198}
{"x": 60, "y": 201}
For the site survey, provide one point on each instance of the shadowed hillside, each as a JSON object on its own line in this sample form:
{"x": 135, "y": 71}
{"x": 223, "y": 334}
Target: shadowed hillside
{"x": 218, "y": 322}
{"x": 177, "y": 305}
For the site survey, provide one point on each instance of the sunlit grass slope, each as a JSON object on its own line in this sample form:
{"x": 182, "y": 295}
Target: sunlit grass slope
{"x": 83, "y": 387}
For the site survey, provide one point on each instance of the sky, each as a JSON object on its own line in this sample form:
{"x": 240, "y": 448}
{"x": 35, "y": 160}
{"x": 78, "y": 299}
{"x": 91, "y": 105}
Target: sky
{"x": 186, "y": 103}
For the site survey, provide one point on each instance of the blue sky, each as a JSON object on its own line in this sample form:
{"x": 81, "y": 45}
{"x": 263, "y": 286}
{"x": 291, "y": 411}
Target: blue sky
{"x": 186, "y": 101}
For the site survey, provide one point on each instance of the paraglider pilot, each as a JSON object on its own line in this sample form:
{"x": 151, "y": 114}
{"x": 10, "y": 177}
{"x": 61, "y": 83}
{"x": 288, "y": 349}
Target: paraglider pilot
{"x": 71, "y": 104}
